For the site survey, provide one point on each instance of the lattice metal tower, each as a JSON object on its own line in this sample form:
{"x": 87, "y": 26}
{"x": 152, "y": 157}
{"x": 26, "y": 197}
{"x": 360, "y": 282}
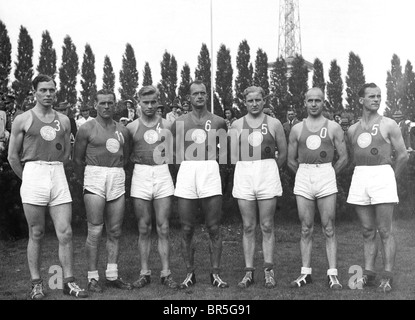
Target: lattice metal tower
{"x": 289, "y": 37}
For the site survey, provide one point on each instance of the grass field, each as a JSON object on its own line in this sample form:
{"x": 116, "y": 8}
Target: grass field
{"x": 14, "y": 274}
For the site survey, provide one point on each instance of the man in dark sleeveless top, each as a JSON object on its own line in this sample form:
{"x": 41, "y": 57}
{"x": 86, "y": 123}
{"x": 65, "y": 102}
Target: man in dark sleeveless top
{"x": 373, "y": 188}
{"x": 310, "y": 155}
{"x": 39, "y": 146}
{"x": 195, "y": 135}
{"x": 152, "y": 185}
{"x": 256, "y": 180}
{"x": 100, "y": 152}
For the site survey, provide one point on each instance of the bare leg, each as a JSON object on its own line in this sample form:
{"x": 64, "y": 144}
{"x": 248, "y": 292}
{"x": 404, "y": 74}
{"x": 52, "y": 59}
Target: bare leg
{"x": 62, "y": 217}
{"x": 266, "y": 217}
{"x": 327, "y": 208}
{"x": 35, "y": 217}
{"x": 367, "y": 219}
{"x": 249, "y": 219}
{"x": 306, "y": 211}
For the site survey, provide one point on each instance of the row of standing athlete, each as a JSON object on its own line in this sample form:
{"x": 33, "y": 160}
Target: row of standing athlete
{"x": 40, "y": 146}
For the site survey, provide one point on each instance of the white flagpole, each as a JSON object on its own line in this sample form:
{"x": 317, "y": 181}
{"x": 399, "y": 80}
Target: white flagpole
{"x": 211, "y": 60}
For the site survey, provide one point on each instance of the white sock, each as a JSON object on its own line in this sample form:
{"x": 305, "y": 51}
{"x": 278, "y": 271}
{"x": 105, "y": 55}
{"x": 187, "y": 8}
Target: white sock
{"x": 305, "y": 270}
{"x": 112, "y": 271}
{"x": 332, "y": 272}
{"x": 93, "y": 275}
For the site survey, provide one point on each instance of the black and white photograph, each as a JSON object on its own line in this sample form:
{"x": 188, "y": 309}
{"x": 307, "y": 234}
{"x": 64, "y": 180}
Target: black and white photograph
{"x": 205, "y": 157}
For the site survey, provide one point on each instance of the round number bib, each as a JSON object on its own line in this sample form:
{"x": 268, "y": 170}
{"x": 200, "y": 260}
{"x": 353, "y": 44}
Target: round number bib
{"x": 313, "y": 142}
{"x": 199, "y": 136}
{"x": 112, "y": 145}
{"x": 255, "y": 138}
{"x": 48, "y": 133}
{"x": 364, "y": 140}
{"x": 150, "y": 136}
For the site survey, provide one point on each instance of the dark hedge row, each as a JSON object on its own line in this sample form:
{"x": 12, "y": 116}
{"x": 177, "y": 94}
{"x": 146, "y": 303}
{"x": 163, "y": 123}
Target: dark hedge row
{"x": 13, "y": 223}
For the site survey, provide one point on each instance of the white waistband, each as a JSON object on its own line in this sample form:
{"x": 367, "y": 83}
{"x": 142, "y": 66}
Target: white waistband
{"x": 50, "y": 163}
{"x": 315, "y": 165}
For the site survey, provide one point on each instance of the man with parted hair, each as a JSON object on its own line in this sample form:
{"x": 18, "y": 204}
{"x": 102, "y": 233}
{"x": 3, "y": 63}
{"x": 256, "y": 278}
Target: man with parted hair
{"x": 101, "y": 151}
{"x": 373, "y": 189}
{"x": 311, "y": 148}
{"x": 39, "y": 147}
{"x": 255, "y": 139}
{"x": 152, "y": 185}
{"x": 198, "y": 179}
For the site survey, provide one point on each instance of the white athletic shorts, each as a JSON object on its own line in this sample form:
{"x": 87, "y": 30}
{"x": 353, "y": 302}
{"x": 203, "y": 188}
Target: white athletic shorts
{"x": 44, "y": 184}
{"x": 151, "y": 182}
{"x": 314, "y": 181}
{"x": 256, "y": 180}
{"x": 106, "y": 182}
{"x": 198, "y": 179}
{"x": 373, "y": 185}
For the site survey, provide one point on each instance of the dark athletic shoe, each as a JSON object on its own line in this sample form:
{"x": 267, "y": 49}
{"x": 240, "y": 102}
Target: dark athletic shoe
{"x": 247, "y": 280}
{"x": 189, "y": 281}
{"x": 142, "y": 281}
{"x": 269, "y": 279}
{"x": 301, "y": 281}
{"x": 334, "y": 282}
{"x": 366, "y": 281}
{"x": 385, "y": 285}
{"x": 72, "y": 289}
{"x": 169, "y": 282}
{"x": 119, "y": 284}
{"x": 93, "y": 286}
{"x": 217, "y": 281}
{"x": 37, "y": 291}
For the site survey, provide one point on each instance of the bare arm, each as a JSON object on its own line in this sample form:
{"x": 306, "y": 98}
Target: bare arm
{"x": 16, "y": 144}
{"x": 233, "y": 134}
{"x": 293, "y": 149}
{"x": 127, "y": 145}
{"x": 281, "y": 143}
{"x": 340, "y": 145}
{"x": 398, "y": 144}
{"x": 81, "y": 142}
{"x": 67, "y": 138}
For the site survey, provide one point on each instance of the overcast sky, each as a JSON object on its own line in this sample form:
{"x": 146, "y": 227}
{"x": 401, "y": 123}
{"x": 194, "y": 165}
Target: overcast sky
{"x": 330, "y": 29}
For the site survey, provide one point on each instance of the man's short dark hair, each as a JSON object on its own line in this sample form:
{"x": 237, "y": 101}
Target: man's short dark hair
{"x": 41, "y": 78}
{"x": 105, "y": 92}
{"x": 362, "y": 90}
{"x": 198, "y": 82}
{"x": 147, "y": 90}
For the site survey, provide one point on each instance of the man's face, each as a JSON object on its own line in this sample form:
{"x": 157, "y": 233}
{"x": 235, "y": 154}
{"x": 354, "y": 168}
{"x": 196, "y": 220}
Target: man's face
{"x": 290, "y": 115}
{"x": 198, "y": 96}
{"x": 314, "y": 102}
{"x": 179, "y": 111}
{"x": 254, "y": 103}
{"x": 371, "y": 100}
{"x": 45, "y": 93}
{"x": 105, "y": 105}
{"x": 148, "y": 104}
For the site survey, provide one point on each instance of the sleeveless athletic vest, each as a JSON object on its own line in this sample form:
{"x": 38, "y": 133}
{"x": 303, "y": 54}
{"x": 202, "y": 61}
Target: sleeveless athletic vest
{"x": 199, "y": 142}
{"x": 256, "y": 143}
{"x": 146, "y": 140}
{"x": 369, "y": 146}
{"x": 105, "y": 148}
{"x": 44, "y": 141}
{"x": 315, "y": 147}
